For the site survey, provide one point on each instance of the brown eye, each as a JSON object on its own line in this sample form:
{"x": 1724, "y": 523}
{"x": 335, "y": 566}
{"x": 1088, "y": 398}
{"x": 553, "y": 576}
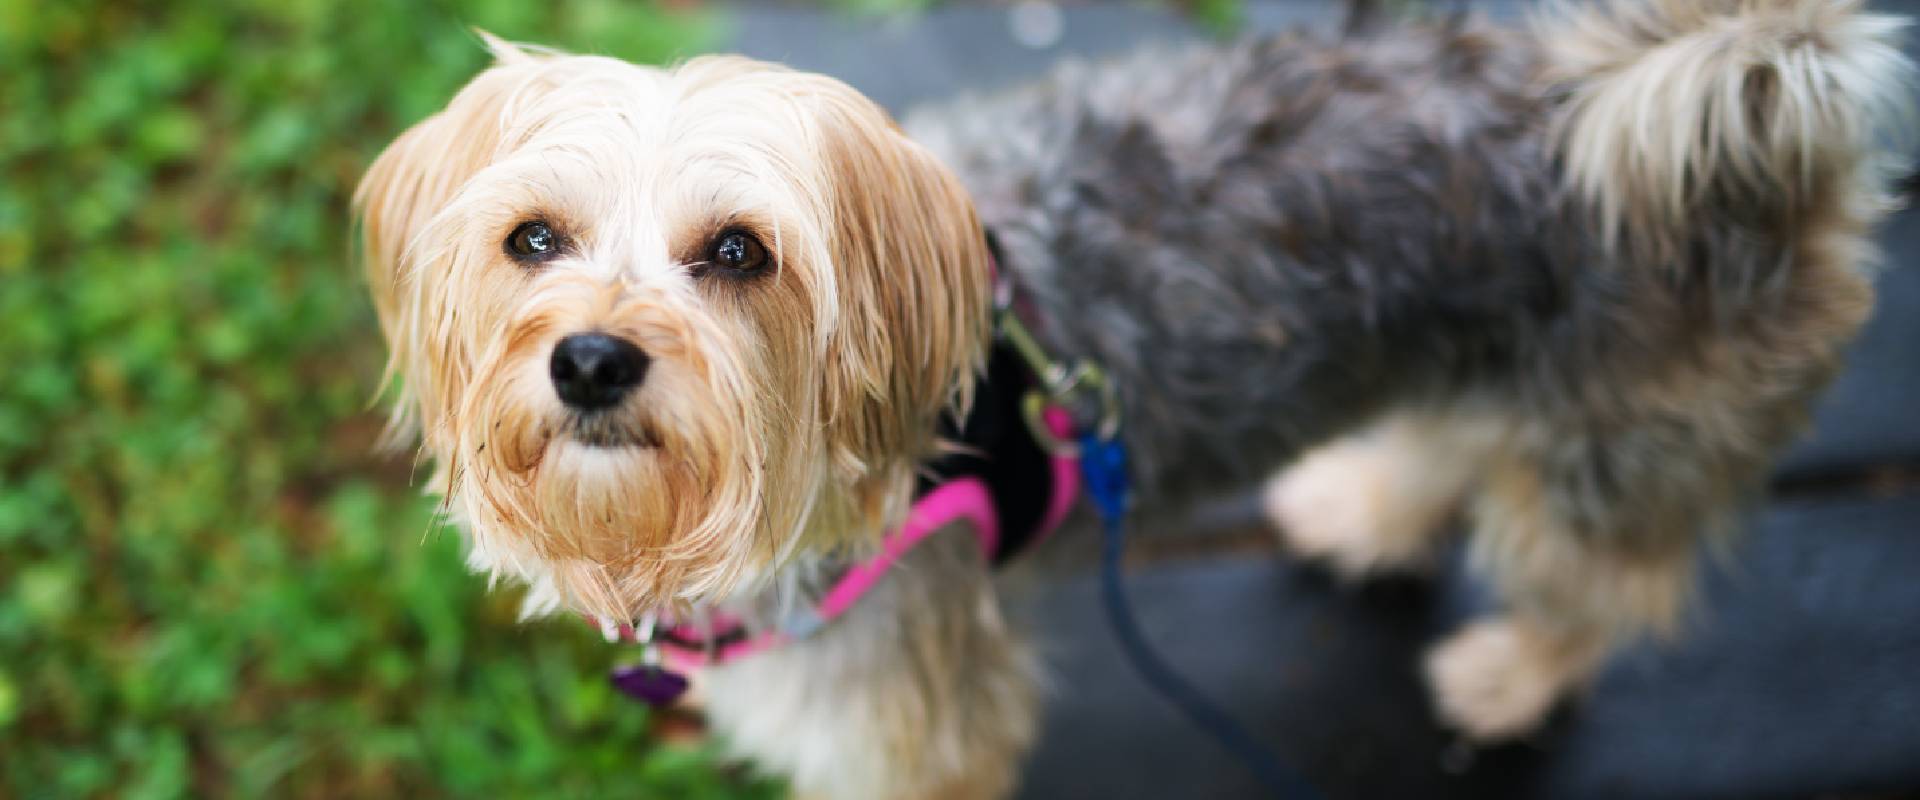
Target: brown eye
{"x": 532, "y": 241}
{"x": 738, "y": 251}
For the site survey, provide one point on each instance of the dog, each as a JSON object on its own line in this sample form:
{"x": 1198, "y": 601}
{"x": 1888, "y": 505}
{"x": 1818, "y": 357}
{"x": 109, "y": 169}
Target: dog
{"x": 682, "y": 341}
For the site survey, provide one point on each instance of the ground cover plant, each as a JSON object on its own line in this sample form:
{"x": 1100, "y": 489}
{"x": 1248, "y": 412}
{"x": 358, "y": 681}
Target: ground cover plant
{"x": 210, "y": 582}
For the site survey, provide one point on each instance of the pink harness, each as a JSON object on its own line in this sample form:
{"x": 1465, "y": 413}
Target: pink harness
{"x": 686, "y": 647}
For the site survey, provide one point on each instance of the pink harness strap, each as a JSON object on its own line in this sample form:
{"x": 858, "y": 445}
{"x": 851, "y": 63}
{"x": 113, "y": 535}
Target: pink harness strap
{"x": 965, "y": 498}
{"x": 1066, "y": 475}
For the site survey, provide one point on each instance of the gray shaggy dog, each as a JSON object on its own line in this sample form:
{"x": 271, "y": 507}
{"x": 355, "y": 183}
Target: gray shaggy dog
{"x": 679, "y": 339}
{"x": 1581, "y": 282}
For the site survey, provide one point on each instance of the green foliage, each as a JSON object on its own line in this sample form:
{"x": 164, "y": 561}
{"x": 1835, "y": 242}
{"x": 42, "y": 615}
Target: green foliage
{"x": 210, "y": 583}
{"x": 1221, "y": 18}
{"x": 879, "y": 7}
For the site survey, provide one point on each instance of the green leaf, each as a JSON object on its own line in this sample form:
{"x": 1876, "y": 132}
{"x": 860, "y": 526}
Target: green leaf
{"x": 48, "y": 592}
{"x": 168, "y": 134}
{"x": 9, "y": 701}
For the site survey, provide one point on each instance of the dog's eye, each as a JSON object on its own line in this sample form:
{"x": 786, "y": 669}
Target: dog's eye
{"x": 532, "y": 240}
{"x": 738, "y": 251}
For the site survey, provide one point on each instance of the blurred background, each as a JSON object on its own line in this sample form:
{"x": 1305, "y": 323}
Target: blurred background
{"x": 212, "y": 583}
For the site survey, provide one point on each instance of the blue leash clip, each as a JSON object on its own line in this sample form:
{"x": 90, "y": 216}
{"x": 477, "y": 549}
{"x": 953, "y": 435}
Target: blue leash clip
{"x": 1103, "y": 465}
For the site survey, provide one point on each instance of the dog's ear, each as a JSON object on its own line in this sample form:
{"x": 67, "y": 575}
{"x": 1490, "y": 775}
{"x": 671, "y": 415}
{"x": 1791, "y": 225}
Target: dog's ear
{"x": 411, "y": 181}
{"x": 505, "y": 52}
{"x": 914, "y": 286}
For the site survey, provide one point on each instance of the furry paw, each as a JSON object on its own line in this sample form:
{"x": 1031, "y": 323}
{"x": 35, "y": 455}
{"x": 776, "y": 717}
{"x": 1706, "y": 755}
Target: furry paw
{"x": 1339, "y": 505}
{"x": 1494, "y": 681}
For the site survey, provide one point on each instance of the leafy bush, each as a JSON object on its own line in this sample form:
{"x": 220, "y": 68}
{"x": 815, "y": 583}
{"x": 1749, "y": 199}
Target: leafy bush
{"x": 210, "y": 584}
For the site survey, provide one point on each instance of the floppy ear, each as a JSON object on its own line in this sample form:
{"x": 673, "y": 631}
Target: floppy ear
{"x": 914, "y": 286}
{"x": 411, "y": 181}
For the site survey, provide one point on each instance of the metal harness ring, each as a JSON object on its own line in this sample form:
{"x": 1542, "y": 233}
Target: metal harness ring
{"x": 1067, "y": 388}
{"x": 1064, "y": 386}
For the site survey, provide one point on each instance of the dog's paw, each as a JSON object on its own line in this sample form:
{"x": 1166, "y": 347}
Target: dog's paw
{"x": 1337, "y": 504}
{"x": 1492, "y": 681}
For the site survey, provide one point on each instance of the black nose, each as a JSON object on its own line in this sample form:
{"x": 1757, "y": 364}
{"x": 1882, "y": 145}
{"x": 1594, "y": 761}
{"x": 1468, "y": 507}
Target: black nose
{"x": 594, "y": 370}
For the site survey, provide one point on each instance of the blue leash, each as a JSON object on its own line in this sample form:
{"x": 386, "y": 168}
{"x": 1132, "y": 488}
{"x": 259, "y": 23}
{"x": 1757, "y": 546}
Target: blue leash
{"x": 1103, "y": 464}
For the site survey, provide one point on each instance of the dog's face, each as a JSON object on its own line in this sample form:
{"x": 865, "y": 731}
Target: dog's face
{"x": 662, "y": 328}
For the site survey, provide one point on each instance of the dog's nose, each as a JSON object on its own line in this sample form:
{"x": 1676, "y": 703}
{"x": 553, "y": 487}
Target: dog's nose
{"x": 594, "y": 370}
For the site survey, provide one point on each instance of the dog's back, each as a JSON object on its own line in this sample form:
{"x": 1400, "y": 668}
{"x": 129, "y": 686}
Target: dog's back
{"x": 1272, "y": 240}
{"x": 1251, "y": 236}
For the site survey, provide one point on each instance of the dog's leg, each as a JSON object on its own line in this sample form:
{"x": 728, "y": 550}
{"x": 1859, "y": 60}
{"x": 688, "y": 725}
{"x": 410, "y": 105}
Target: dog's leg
{"x": 1581, "y": 569}
{"x": 1590, "y": 524}
{"x": 920, "y": 691}
{"x": 1374, "y": 500}
{"x": 1498, "y": 678}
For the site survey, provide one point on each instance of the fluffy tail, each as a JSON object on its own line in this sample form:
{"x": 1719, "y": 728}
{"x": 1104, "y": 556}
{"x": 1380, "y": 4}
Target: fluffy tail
{"x": 1764, "y": 106}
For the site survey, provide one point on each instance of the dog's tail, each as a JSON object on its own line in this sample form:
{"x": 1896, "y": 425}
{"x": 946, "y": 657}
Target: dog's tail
{"x": 1764, "y": 106}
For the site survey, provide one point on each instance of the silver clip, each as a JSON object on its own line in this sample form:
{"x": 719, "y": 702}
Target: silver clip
{"x": 1064, "y": 386}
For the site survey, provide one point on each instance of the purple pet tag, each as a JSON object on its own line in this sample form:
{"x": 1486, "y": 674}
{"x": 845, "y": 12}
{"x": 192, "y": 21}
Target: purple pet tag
{"x": 649, "y": 683}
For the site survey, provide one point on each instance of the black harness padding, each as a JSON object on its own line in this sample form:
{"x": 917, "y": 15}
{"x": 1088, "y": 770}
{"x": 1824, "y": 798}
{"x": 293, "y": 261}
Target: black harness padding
{"x": 993, "y": 444}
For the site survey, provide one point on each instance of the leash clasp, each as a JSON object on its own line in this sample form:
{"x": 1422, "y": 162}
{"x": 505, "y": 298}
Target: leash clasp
{"x": 1081, "y": 387}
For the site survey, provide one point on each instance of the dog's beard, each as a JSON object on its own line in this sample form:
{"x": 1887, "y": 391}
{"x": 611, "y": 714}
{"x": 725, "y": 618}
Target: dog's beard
{"x": 660, "y": 500}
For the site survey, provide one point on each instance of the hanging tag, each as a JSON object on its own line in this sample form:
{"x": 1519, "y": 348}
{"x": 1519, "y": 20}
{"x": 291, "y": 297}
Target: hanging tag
{"x": 648, "y": 681}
